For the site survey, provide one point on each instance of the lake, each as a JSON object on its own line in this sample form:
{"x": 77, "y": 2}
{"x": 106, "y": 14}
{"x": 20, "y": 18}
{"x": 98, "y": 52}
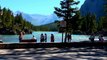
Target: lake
{"x": 58, "y": 37}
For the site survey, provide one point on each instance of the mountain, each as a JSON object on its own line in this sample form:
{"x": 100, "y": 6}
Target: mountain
{"x": 94, "y": 7}
{"x": 37, "y": 19}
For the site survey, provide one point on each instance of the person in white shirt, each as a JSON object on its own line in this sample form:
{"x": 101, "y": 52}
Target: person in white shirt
{"x": 34, "y": 38}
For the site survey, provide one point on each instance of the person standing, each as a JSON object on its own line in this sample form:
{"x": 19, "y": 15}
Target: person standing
{"x": 69, "y": 37}
{"x": 101, "y": 38}
{"x": 92, "y": 37}
{"x": 21, "y": 36}
{"x": 66, "y": 38}
{"x": 42, "y": 38}
{"x": 45, "y": 37}
{"x": 52, "y": 38}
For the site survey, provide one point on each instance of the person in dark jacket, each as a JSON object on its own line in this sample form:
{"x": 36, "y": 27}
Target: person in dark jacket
{"x": 45, "y": 37}
{"x": 92, "y": 37}
{"x": 42, "y": 38}
{"x": 52, "y": 38}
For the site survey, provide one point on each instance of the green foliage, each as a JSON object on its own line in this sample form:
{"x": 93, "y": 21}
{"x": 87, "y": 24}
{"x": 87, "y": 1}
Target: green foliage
{"x": 100, "y": 24}
{"x": 10, "y": 24}
{"x": 104, "y": 18}
{"x": 76, "y": 21}
{"x": 66, "y": 12}
{"x": 103, "y": 23}
{"x": 89, "y": 24}
{"x": 48, "y": 27}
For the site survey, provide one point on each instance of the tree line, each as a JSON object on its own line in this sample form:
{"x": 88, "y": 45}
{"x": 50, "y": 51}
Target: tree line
{"x": 10, "y": 24}
{"x": 78, "y": 24}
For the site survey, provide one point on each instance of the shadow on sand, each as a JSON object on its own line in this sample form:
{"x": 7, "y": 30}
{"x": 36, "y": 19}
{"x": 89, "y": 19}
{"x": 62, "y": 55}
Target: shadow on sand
{"x": 54, "y": 54}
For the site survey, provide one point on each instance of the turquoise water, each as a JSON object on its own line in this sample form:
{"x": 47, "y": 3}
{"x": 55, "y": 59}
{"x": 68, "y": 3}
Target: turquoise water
{"x": 58, "y": 37}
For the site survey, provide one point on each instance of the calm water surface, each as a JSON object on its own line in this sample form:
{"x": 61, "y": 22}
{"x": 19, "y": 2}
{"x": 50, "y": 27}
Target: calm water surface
{"x": 58, "y": 37}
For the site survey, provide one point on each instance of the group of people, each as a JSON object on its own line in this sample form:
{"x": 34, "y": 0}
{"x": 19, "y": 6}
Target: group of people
{"x": 43, "y": 38}
{"x": 68, "y": 37}
{"x": 92, "y": 37}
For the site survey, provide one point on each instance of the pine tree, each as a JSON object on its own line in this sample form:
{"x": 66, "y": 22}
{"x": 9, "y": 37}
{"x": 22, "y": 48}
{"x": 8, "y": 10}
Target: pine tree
{"x": 89, "y": 24}
{"x": 76, "y": 21}
{"x": 100, "y": 24}
{"x": 10, "y": 24}
{"x": 4, "y": 17}
{"x": 105, "y": 17}
{"x": 93, "y": 24}
{"x": 8, "y": 19}
{"x": 66, "y": 12}
{"x": 0, "y": 17}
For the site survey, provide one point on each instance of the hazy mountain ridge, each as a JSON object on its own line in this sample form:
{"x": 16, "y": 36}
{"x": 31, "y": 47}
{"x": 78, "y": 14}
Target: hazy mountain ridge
{"x": 50, "y": 27}
{"x": 37, "y": 19}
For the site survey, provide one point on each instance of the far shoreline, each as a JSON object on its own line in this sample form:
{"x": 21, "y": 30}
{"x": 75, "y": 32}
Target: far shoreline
{"x": 51, "y": 31}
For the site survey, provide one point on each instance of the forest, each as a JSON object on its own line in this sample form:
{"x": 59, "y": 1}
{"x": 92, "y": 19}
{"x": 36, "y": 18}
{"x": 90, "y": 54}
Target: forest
{"x": 76, "y": 23}
{"x": 10, "y": 24}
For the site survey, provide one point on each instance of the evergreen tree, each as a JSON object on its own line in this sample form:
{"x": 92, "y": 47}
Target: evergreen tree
{"x": 8, "y": 19}
{"x": 100, "y": 24}
{"x": 10, "y": 24}
{"x": 66, "y": 12}
{"x": 76, "y": 22}
{"x": 93, "y": 24}
{"x": 0, "y": 17}
{"x": 89, "y": 24}
{"x": 105, "y": 17}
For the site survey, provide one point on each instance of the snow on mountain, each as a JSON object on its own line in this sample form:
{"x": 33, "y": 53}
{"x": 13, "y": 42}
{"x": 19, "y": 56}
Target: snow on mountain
{"x": 37, "y": 19}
